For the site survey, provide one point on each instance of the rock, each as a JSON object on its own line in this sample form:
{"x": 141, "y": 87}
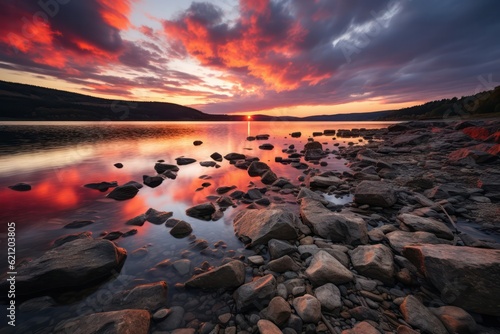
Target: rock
{"x": 184, "y": 331}
{"x": 283, "y": 264}
{"x": 455, "y": 319}
{"x": 417, "y": 223}
{"x": 102, "y": 186}
{"x": 278, "y": 311}
{"x": 20, "y": 187}
{"x": 374, "y": 261}
{"x": 266, "y": 146}
{"x": 184, "y": 161}
{"x": 313, "y": 145}
{"x": 338, "y": 227}
{"x": 324, "y": 268}
{"x": 234, "y": 156}
{"x": 375, "y": 193}
{"x": 410, "y": 139}
{"x": 208, "y": 163}
{"x": 70, "y": 237}
{"x": 256, "y": 294}
{"x": 296, "y": 134}
{"x": 71, "y": 265}
{"x": 267, "y": 327}
{"x": 122, "y": 193}
{"x": 308, "y": 308}
{"x": 329, "y": 296}
{"x": 79, "y": 223}
{"x": 402, "y": 329}
{"x": 152, "y": 181}
{"x": 225, "y": 202}
{"x": 313, "y": 154}
{"x": 361, "y": 313}
{"x": 124, "y": 321}
{"x": 202, "y": 211}
{"x": 118, "y": 165}
{"x": 113, "y": 235}
{"x": 197, "y": 142}
{"x": 161, "y": 168}
{"x": 137, "y": 221}
{"x": 256, "y": 260}
{"x": 181, "y": 229}
{"x": 262, "y": 225}
{"x": 227, "y": 276}
{"x": 470, "y": 156}
{"x": 417, "y": 315}
{"x": 258, "y": 168}
{"x": 174, "y": 320}
{"x": 149, "y": 297}
{"x": 269, "y": 177}
{"x": 216, "y": 156}
{"x": 398, "y": 127}
{"x": 466, "y": 276}
{"x": 224, "y": 189}
{"x": 325, "y": 181}
{"x": 279, "y": 248}
{"x": 399, "y": 239}
{"x": 182, "y": 266}
{"x": 363, "y": 327}
{"x": 129, "y": 233}
{"x": 157, "y": 217}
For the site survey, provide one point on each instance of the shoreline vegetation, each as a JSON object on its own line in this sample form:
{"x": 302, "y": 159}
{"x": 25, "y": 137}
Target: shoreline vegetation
{"x": 395, "y": 260}
{"x": 32, "y": 103}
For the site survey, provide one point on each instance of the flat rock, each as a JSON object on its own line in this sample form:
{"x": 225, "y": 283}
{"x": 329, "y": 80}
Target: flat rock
{"x": 338, "y": 227}
{"x": 466, "y": 276}
{"x": 308, "y": 308}
{"x": 123, "y": 321}
{"x": 419, "y": 316}
{"x": 324, "y": 268}
{"x": 399, "y": 239}
{"x": 329, "y": 296}
{"x": 149, "y": 297}
{"x": 262, "y": 225}
{"x": 410, "y": 139}
{"x": 325, "y": 181}
{"x": 71, "y": 265}
{"x": 230, "y": 275}
{"x": 122, "y": 193}
{"x": 375, "y": 193}
{"x": 256, "y": 294}
{"x": 234, "y": 156}
{"x": 374, "y": 261}
{"x": 70, "y": 237}
{"x": 417, "y": 223}
{"x": 184, "y": 161}
{"x": 202, "y": 211}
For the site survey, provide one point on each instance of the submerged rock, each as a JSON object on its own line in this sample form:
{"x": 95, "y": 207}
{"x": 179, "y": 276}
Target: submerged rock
{"x": 79, "y": 223}
{"x": 149, "y": 297}
{"x": 230, "y": 275}
{"x": 102, "y": 186}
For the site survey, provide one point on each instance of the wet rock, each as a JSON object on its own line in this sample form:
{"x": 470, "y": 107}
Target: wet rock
{"x": 144, "y": 297}
{"x": 124, "y": 321}
{"x": 296, "y": 134}
{"x": 157, "y": 217}
{"x": 225, "y": 202}
{"x": 325, "y": 181}
{"x": 374, "y": 261}
{"x": 283, "y": 264}
{"x": 278, "y": 311}
{"x": 102, "y": 186}
{"x": 122, "y": 193}
{"x": 181, "y": 229}
{"x": 118, "y": 165}
{"x": 266, "y": 146}
{"x": 256, "y": 260}
{"x": 184, "y": 161}
{"x": 363, "y": 327}
{"x": 269, "y": 177}
{"x": 267, "y": 327}
{"x": 339, "y": 227}
{"x": 228, "y": 276}
{"x": 183, "y": 266}
{"x": 137, "y": 221}
{"x": 174, "y": 320}
{"x": 79, "y": 223}
{"x": 256, "y": 294}
{"x": 417, "y": 315}
{"x": 208, "y": 163}
{"x": 70, "y": 237}
{"x": 224, "y": 189}
{"x": 197, "y": 142}
{"x": 234, "y": 156}
{"x": 161, "y": 168}
{"x": 260, "y": 226}
{"x": 129, "y": 233}
{"x": 324, "y": 268}
{"x": 399, "y": 239}
{"x": 417, "y": 223}
{"x": 455, "y": 319}
{"x": 71, "y": 265}
{"x": 307, "y": 193}
{"x": 152, "y": 181}
{"x": 308, "y": 308}
{"x": 279, "y": 248}
{"x": 466, "y": 276}
{"x": 216, "y": 156}
{"x": 329, "y": 296}
{"x": 113, "y": 235}
{"x": 202, "y": 211}
{"x": 375, "y": 193}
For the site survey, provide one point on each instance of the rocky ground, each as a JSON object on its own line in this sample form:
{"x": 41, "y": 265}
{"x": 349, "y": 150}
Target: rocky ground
{"x": 396, "y": 260}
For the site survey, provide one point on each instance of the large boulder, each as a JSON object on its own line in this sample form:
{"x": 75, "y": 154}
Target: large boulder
{"x": 262, "y": 225}
{"x": 230, "y": 275}
{"x": 256, "y": 294}
{"x": 466, "y": 276}
{"x": 124, "y": 321}
{"x": 71, "y": 265}
{"x": 374, "y": 261}
{"x": 324, "y": 268}
{"x": 339, "y": 227}
{"x": 375, "y": 193}
{"x": 419, "y": 316}
{"x": 417, "y": 223}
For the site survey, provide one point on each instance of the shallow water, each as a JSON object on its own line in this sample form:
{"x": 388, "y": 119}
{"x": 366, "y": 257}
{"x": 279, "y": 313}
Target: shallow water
{"x": 58, "y": 158}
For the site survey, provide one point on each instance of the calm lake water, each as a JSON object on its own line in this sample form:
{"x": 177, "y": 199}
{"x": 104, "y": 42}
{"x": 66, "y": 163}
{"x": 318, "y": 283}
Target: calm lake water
{"x": 58, "y": 158}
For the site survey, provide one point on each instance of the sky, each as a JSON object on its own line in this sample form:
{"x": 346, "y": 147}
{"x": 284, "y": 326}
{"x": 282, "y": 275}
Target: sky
{"x": 277, "y": 57}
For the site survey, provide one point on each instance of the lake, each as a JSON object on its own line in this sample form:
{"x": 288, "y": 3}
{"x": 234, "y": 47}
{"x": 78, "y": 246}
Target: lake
{"x": 58, "y": 158}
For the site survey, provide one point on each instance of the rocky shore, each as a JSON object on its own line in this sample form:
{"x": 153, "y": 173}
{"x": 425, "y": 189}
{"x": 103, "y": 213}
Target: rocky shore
{"x": 396, "y": 260}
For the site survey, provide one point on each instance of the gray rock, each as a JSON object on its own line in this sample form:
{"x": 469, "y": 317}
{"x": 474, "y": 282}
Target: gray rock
{"x": 278, "y": 311}
{"x": 399, "y": 239}
{"x": 146, "y": 296}
{"x": 417, "y": 315}
{"x": 279, "y": 248}
{"x": 329, "y": 296}
{"x": 455, "y": 319}
{"x": 308, "y": 308}
{"x": 374, "y": 261}
{"x": 262, "y": 225}
{"x": 124, "y": 321}
{"x": 174, "y": 320}
{"x": 417, "y": 223}
{"x": 324, "y": 268}
{"x": 307, "y": 193}
{"x": 325, "y": 181}
{"x": 71, "y": 265}
{"x": 375, "y": 193}
{"x": 339, "y": 227}
{"x": 466, "y": 276}
{"x": 283, "y": 264}
{"x": 227, "y": 276}
{"x": 256, "y": 294}
{"x": 202, "y": 211}
{"x": 410, "y": 139}
{"x": 182, "y": 266}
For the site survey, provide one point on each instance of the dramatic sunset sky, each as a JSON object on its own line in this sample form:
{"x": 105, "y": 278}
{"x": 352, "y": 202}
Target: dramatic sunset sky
{"x": 282, "y": 57}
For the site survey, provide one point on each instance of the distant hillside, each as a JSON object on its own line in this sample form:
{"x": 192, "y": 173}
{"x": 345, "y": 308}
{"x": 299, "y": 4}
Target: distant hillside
{"x": 483, "y": 104}
{"x": 26, "y": 102}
